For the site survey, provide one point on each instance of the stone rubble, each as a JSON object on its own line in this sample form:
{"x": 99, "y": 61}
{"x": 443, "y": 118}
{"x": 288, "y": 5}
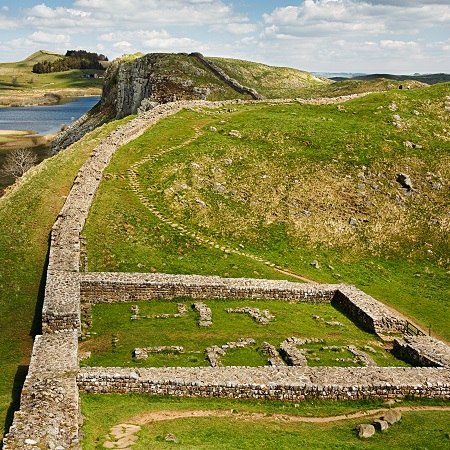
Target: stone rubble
{"x": 205, "y": 314}
{"x": 261, "y": 316}
{"x": 142, "y": 353}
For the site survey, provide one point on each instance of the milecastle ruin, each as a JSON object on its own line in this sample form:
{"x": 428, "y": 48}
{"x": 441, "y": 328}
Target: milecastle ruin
{"x": 49, "y": 415}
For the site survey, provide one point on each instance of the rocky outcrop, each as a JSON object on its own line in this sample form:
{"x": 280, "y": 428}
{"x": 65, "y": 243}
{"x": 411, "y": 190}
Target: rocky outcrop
{"x": 141, "y": 84}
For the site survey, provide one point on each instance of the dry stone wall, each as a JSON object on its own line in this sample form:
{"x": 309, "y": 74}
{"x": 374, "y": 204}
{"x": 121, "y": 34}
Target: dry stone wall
{"x": 271, "y": 383}
{"x": 130, "y": 287}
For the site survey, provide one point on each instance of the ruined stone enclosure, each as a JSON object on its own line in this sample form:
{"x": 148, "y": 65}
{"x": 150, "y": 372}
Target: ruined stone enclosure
{"x": 49, "y": 415}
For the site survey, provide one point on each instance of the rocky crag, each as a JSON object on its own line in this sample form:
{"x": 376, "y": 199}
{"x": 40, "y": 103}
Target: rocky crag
{"x": 133, "y": 86}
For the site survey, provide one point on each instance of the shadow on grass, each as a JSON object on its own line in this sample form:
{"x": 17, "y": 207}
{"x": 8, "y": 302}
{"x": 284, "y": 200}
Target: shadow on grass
{"x": 22, "y": 370}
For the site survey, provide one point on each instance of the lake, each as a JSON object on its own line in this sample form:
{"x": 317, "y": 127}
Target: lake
{"x": 45, "y": 119}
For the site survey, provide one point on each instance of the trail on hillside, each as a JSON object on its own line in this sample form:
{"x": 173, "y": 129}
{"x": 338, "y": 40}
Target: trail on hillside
{"x": 136, "y": 187}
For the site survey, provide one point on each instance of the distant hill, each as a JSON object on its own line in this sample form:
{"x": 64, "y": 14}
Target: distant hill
{"x": 20, "y": 86}
{"x": 431, "y": 78}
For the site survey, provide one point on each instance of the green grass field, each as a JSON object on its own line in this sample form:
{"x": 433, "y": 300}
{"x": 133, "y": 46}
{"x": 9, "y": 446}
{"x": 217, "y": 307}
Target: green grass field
{"x": 286, "y": 191}
{"x": 290, "y": 320}
{"x": 19, "y": 76}
{"x": 272, "y": 425}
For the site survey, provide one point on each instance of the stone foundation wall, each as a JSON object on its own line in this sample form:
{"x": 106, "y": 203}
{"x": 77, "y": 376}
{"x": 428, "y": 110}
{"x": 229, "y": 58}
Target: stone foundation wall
{"x": 271, "y": 383}
{"x": 422, "y": 351}
{"x": 130, "y": 287}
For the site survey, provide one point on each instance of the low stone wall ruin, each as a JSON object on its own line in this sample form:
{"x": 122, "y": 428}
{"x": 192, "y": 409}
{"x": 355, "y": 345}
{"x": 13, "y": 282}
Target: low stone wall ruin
{"x": 130, "y": 287}
{"x": 270, "y": 383}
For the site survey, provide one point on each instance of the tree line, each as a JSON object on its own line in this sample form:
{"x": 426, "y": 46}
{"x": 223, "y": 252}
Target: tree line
{"x": 73, "y": 59}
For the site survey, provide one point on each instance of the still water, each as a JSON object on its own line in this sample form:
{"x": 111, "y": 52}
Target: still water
{"x": 45, "y": 119}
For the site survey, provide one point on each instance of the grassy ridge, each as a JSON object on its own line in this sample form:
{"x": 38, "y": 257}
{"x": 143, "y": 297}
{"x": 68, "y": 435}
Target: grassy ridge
{"x": 287, "y": 191}
{"x": 27, "y": 215}
{"x": 272, "y": 82}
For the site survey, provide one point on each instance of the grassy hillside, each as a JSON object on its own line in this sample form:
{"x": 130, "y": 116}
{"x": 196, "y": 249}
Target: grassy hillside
{"x": 302, "y": 183}
{"x": 270, "y": 81}
{"x": 20, "y": 86}
{"x": 27, "y": 215}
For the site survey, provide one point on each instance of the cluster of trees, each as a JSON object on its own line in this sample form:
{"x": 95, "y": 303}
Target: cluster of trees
{"x": 73, "y": 59}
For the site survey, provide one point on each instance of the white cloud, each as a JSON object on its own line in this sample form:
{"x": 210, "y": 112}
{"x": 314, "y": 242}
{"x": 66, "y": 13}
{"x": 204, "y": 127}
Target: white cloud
{"x": 356, "y": 18}
{"x": 153, "y": 40}
{"x": 49, "y": 38}
{"x": 162, "y": 12}
{"x": 6, "y": 23}
{"x": 398, "y": 45}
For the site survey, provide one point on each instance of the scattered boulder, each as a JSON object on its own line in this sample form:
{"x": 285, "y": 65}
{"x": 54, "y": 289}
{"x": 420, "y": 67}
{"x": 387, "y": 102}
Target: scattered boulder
{"x": 353, "y": 222}
{"x": 392, "y": 416}
{"x": 213, "y": 129}
{"x": 365, "y": 430}
{"x": 235, "y": 133}
{"x": 405, "y": 181}
{"x": 380, "y": 425}
{"x": 171, "y": 438}
{"x": 315, "y": 264}
{"x": 409, "y": 144}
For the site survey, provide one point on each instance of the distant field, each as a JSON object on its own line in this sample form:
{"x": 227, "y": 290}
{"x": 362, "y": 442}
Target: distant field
{"x": 297, "y": 320}
{"x": 302, "y": 183}
{"x": 20, "y": 86}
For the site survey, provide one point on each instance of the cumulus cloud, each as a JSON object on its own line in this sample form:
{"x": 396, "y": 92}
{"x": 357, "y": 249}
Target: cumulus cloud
{"x": 49, "y": 38}
{"x": 128, "y": 41}
{"x": 6, "y": 23}
{"x": 354, "y": 18}
{"x": 60, "y": 18}
{"x": 162, "y": 12}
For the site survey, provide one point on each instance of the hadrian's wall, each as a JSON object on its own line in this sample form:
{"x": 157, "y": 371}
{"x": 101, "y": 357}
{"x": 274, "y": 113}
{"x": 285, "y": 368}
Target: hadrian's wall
{"x": 49, "y": 409}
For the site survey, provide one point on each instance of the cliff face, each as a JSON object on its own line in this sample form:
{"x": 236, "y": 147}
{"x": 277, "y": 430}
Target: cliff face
{"x": 160, "y": 78}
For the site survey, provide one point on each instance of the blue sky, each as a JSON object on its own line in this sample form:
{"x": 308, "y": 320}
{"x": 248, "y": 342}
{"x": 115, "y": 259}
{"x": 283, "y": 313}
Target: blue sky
{"x": 397, "y": 36}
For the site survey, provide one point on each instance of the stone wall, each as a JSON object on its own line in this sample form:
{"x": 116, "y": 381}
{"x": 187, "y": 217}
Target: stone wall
{"x": 271, "y": 383}
{"x": 369, "y": 313}
{"x": 422, "y": 351}
{"x": 130, "y": 287}
{"x": 49, "y": 405}
{"x": 226, "y": 78}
